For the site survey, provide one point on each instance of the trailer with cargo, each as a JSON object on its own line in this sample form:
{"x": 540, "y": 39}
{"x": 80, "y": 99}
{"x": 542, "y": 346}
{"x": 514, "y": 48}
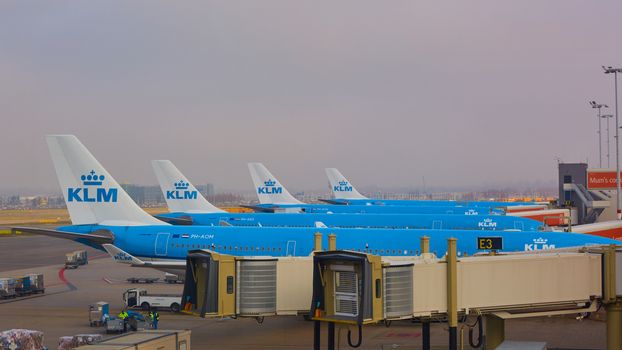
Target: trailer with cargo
{"x": 36, "y": 283}
{"x": 145, "y": 340}
{"x": 23, "y": 286}
{"x": 75, "y": 259}
{"x": 99, "y": 313}
{"x": 147, "y": 280}
{"x": 7, "y": 288}
{"x": 172, "y": 278}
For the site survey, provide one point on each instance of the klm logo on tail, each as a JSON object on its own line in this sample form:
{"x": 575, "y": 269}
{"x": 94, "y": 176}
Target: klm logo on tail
{"x": 343, "y": 187}
{"x": 92, "y": 192}
{"x": 181, "y": 191}
{"x": 122, "y": 256}
{"x": 269, "y": 188}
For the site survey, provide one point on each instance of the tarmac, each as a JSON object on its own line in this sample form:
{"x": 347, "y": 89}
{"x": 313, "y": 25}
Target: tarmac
{"x": 63, "y": 309}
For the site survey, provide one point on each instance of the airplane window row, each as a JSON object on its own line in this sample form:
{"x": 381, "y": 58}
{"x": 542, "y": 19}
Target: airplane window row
{"x": 279, "y": 249}
{"x": 225, "y": 248}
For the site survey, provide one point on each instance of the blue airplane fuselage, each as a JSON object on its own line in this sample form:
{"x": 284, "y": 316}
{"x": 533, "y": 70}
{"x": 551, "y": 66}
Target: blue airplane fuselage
{"x": 394, "y": 221}
{"x": 174, "y": 242}
{"x": 383, "y": 209}
{"x": 426, "y": 203}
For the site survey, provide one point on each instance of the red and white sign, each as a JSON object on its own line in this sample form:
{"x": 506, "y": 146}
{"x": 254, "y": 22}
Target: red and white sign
{"x": 601, "y": 180}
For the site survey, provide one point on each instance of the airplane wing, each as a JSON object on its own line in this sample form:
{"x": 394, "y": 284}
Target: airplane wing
{"x": 272, "y": 209}
{"x": 123, "y": 257}
{"x": 260, "y": 209}
{"x": 182, "y": 220}
{"x": 99, "y": 237}
{"x": 334, "y": 201}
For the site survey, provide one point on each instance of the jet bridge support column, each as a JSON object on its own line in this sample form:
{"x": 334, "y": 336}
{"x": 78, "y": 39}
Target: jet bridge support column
{"x": 425, "y": 330}
{"x": 331, "y": 335}
{"x": 317, "y": 325}
{"x": 495, "y": 331}
{"x": 452, "y": 293}
{"x": 425, "y": 323}
{"x": 317, "y": 333}
{"x": 614, "y": 325}
{"x": 613, "y": 303}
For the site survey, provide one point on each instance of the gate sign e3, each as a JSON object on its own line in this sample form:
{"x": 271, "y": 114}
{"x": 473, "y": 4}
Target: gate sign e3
{"x": 601, "y": 180}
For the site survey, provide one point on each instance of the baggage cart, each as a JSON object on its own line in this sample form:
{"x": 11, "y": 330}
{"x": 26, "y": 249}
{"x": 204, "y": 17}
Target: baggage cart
{"x": 114, "y": 325}
{"x": 172, "y": 279}
{"x": 98, "y": 313}
{"x": 75, "y": 259}
{"x": 147, "y": 280}
{"x": 81, "y": 257}
{"x": 71, "y": 261}
{"x": 22, "y": 286}
{"x": 36, "y": 283}
{"x": 7, "y": 288}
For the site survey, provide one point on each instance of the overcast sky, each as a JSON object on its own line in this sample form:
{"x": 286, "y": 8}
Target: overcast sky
{"x": 465, "y": 93}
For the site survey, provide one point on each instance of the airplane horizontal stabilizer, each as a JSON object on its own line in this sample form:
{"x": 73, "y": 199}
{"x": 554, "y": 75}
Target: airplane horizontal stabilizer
{"x": 123, "y": 257}
{"x": 185, "y": 220}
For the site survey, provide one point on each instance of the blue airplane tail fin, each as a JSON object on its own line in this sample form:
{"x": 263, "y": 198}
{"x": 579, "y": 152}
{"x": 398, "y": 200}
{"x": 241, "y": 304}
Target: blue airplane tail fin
{"x": 340, "y": 187}
{"x": 179, "y": 193}
{"x": 91, "y": 193}
{"x": 268, "y": 188}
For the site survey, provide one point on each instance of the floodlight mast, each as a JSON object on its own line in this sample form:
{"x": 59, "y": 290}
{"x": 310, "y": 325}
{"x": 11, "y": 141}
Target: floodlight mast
{"x": 615, "y": 71}
{"x": 607, "y": 117}
{"x": 600, "y": 142}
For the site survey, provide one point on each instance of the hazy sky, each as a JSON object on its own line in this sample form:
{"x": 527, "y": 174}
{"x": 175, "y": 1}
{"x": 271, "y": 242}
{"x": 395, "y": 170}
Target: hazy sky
{"x": 465, "y": 93}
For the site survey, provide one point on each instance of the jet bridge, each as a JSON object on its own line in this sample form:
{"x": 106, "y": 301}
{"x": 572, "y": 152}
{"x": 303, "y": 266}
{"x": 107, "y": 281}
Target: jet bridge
{"x": 220, "y": 285}
{"x": 356, "y": 289}
{"x": 348, "y": 289}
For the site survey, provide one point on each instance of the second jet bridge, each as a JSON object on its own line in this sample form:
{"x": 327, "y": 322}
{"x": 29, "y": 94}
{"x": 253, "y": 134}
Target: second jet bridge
{"x": 220, "y": 285}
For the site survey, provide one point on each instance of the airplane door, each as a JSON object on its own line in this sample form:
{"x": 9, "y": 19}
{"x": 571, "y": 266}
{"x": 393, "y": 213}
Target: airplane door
{"x": 437, "y": 225}
{"x": 291, "y": 248}
{"x": 161, "y": 244}
{"x": 518, "y": 226}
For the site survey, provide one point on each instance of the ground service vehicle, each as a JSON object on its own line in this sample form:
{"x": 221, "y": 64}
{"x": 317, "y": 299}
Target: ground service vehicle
{"x": 140, "y": 298}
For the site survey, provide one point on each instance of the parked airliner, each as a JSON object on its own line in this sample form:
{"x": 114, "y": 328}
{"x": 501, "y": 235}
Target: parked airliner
{"x": 273, "y": 196}
{"x": 344, "y": 192}
{"x": 188, "y": 206}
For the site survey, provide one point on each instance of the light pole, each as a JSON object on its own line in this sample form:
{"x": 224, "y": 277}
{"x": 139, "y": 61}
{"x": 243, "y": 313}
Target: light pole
{"x": 600, "y": 142}
{"x": 607, "y": 116}
{"x": 615, "y": 71}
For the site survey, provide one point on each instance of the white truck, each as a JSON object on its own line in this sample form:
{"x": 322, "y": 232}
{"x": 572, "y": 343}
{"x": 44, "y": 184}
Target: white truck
{"x": 139, "y": 298}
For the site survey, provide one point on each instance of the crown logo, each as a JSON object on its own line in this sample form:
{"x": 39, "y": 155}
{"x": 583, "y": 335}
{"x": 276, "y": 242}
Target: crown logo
{"x": 343, "y": 183}
{"x": 181, "y": 185}
{"x": 269, "y": 183}
{"x": 540, "y": 240}
{"x": 92, "y": 179}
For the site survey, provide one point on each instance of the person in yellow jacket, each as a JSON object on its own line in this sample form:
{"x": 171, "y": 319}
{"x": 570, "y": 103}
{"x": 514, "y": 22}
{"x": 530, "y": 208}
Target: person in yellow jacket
{"x": 155, "y": 318}
{"x": 123, "y": 315}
